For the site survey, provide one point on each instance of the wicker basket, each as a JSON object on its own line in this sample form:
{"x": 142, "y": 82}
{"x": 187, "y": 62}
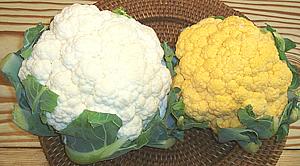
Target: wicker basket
{"x": 168, "y": 18}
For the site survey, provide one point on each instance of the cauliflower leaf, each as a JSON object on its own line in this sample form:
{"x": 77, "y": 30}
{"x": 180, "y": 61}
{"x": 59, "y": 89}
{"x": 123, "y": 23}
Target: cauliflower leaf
{"x": 86, "y": 144}
{"x": 31, "y": 122}
{"x": 286, "y": 119}
{"x": 175, "y": 118}
{"x": 30, "y": 38}
{"x": 121, "y": 11}
{"x": 91, "y": 130}
{"x": 246, "y": 138}
{"x": 283, "y": 45}
{"x": 219, "y": 17}
{"x": 39, "y": 96}
{"x": 170, "y": 58}
{"x": 263, "y": 126}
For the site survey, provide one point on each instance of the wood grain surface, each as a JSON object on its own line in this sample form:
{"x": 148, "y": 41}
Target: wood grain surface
{"x": 20, "y": 148}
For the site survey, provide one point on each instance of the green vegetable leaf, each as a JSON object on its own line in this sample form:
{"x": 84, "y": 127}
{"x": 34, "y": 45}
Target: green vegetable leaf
{"x": 121, "y": 11}
{"x": 295, "y": 81}
{"x": 176, "y": 109}
{"x": 262, "y": 126}
{"x": 83, "y": 140}
{"x": 153, "y": 135}
{"x": 30, "y": 38}
{"x": 31, "y": 122}
{"x": 178, "y": 106}
{"x": 219, "y": 17}
{"x": 250, "y": 147}
{"x": 283, "y": 45}
{"x": 282, "y": 132}
{"x": 172, "y": 100}
{"x": 99, "y": 119}
{"x": 295, "y": 114}
{"x": 10, "y": 66}
{"x": 279, "y": 42}
{"x": 246, "y": 138}
{"x": 97, "y": 129}
{"x": 39, "y": 96}
{"x": 163, "y": 144}
{"x": 286, "y": 119}
{"x": 92, "y": 136}
{"x": 269, "y": 28}
{"x": 191, "y": 123}
{"x": 96, "y": 155}
{"x": 233, "y": 134}
{"x": 169, "y": 57}
{"x": 289, "y": 44}
{"x": 147, "y": 134}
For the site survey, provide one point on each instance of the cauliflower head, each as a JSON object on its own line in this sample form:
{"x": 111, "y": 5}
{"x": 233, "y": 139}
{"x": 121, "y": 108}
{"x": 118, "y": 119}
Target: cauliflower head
{"x": 228, "y": 64}
{"x": 103, "y": 62}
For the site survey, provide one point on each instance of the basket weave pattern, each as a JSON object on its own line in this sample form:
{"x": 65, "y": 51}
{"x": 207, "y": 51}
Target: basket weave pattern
{"x": 168, "y": 18}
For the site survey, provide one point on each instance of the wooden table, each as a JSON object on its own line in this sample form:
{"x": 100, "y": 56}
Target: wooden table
{"x": 20, "y": 148}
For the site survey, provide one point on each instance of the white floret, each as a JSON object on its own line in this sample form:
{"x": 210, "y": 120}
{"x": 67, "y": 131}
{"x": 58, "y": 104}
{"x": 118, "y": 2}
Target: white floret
{"x": 103, "y": 62}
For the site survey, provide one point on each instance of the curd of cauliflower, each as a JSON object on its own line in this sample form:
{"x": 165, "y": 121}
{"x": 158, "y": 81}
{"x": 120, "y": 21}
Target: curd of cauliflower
{"x": 228, "y": 64}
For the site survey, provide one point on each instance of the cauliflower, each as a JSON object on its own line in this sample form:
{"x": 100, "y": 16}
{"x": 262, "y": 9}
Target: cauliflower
{"x": 103, "y": 62}
{"x": 228, "y": 64}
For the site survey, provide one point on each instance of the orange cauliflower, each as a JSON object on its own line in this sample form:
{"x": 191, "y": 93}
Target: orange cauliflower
{"x": 228, "y": 64}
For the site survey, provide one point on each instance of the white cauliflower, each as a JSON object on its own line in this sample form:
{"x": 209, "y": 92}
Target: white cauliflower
{"x": 103, "y": 62}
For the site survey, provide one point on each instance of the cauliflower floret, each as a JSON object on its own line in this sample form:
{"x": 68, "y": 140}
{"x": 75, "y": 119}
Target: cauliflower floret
{"x": 103, "y": 62}
{"x": 228, "y": 64}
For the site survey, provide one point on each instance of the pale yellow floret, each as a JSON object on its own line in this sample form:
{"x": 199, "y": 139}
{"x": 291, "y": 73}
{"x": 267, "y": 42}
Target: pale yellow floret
{"x": 228, "y": 64}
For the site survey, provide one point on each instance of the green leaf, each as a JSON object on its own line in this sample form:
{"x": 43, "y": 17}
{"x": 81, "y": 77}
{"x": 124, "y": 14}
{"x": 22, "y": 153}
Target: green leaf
{"x": 30, "y": 38}
{"x": 246, "y": 138}
{"x": 31, "y": 34}
{"x": 27, "y": 53}
{"x": 178, "y": 134}
{"x": 121, "y": 11}
{"x": 279, "y": 42}
{"x": 173, "y": 98}
{"x": 250, "y": 147}
{"x": 169, "y": 57}
{"x": 153, "y": 135}
{"x": 282, "y": 132}
{"x": 31, "y": 122}
{"x": 160, "y": 135}
{"x": 96, "y": 155}
{"x": 219, "y": 17}
{"x": 295, "y": 81}
{"x": 295, "y": 114}
{"x": 178, "y": 106}
{"x": 10, "y": 66}
{"x": 191, "y": 123}
{"x": 283, "y": 45}
{"x": 39, "y": 96}
{"x": 148, "y": 134}
{"x": 100, "y": 119}
{"x": 233, "y": 134}
{"x": 163, "y": 144}
{"x": 285, "y": 120}
{"x": 262, "y": 126}
{"x": 289, "y": 44}
{"x": 95, "y": 128}
{"x": 269, "y": 28}
{"x": 92, "y": 137}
